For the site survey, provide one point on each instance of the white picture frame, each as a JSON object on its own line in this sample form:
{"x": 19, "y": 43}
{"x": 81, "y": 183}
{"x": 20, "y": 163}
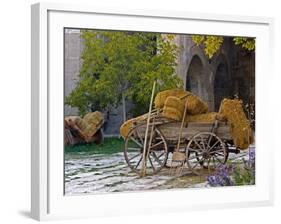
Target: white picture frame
{"x": 48, "y": 200}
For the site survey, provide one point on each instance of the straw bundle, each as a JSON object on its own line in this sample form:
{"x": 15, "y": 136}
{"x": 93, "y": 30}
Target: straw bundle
{"x": 195, "y": 105}
{"x": 240, "y": 126}
{"x": 91, "y": 123}
{"x": 174, "y": 102}
{"x": 162, "y": 96}
{"x": 172, "y": 113}
{"x": 81, "y": 124}
{"x": 127, "y": 126}
{"x": 173, "y": 108}
{"x": 79, "y": 129}
{"x": 208, "y": 117}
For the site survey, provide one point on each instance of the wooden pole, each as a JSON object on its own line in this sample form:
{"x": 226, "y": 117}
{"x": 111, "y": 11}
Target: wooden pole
{"x": 143, "y": 168}
{"x": 182, "y": 123}
{"x": 179, "y": 157}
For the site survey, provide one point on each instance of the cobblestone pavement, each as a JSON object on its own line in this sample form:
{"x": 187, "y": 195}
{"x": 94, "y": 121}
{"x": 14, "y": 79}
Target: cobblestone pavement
{"x": 109, "y": 173}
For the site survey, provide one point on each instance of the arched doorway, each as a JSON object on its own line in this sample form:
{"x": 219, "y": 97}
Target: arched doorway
{"x": 194, "y": 80}
{"x": 221, "y": 85}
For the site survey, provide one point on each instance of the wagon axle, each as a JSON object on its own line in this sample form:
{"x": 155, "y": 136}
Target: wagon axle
{"x": 206, "y": 155}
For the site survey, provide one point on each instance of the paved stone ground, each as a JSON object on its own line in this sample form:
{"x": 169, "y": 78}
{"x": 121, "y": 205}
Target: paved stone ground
{"x": 109, "y": 173}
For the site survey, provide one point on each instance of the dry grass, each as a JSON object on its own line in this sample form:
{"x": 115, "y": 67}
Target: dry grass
{"x": 90, "y": 123}
{"x": 240, "y": 126}
{"x": 172, "y": 113}
{"x": 173, "y": 108}
{"x": 162, "y": 96}
{"x": 208, "y": 117}
{"x": 195, "y": 105}
{"x": 127, "y": 126}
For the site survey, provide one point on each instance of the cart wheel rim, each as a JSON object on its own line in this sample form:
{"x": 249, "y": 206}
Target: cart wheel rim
{"x": 133, "y": 151}
{"x": 205, "y": 150}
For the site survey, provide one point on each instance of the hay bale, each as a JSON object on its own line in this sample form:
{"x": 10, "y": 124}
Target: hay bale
{"x": 93, "y": 118}
{"x": 174, "y": 102}
{"x": 240, "y": 126}
{"x": 83, "y": 129}
{"x": 173, "y": 108}
{"x": 172, "y": 113}
{"x": 91, "y": 123}
{"x": 208, "y": 117}
{"x": 81, "y": 124}
{"x": 127, "y": 126}
{"x": 195, "y": 105}
{"x": 162, "y": 96}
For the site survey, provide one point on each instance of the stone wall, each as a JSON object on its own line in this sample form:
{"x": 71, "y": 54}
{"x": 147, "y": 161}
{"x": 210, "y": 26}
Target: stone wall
{"x": 72, "y": 55}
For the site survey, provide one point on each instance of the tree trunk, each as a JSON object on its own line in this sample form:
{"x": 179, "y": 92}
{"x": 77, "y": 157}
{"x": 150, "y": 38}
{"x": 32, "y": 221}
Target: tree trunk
{"x": 124, "y": 107}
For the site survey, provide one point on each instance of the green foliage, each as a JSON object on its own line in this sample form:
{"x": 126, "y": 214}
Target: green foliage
{"x": 246, "y": 43}
{"x": 116, "y": 63}
{"x": 212, "y": 44}
{"x": 243, "y": 176}
{"x": 198, "y": 39}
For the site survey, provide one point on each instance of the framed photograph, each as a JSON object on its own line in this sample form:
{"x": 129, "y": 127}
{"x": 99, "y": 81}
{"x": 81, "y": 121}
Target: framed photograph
{"x": 156, "y": 111}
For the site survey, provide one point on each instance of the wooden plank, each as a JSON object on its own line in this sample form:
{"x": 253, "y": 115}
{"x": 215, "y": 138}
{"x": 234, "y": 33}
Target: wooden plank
{"x": 171, "y": 130}
{"x": 174, "y": 128}
{"x": 173, "y": 135}
{"x": 205, "y": 124}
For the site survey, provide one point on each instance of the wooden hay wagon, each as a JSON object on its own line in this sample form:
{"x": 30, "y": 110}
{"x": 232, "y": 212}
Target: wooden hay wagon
{"x": 148, "y": 145}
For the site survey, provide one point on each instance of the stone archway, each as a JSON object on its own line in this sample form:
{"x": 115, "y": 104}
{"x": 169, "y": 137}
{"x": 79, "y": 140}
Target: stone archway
{"x": 222, "y": 88}
{"x": 194, "y": 77}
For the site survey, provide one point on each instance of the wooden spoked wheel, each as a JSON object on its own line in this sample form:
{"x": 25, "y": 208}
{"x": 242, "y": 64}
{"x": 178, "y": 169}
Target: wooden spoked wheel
{"x": 156, "y": 150}
{"x": 205, "y": 150}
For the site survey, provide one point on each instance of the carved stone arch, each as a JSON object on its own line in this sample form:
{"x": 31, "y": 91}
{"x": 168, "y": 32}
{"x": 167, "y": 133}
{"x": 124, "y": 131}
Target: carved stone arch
{"x": 197, "y": 51}
{"x": 195, "y": 77}
{"x": 220, "y": 59}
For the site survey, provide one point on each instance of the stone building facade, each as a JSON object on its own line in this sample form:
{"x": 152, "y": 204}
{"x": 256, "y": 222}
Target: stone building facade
{"x": 231, "y": 71}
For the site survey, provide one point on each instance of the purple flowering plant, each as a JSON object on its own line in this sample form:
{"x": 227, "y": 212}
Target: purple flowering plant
{"x": 221, "y": 177}
{"x": 235, "y": 174}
